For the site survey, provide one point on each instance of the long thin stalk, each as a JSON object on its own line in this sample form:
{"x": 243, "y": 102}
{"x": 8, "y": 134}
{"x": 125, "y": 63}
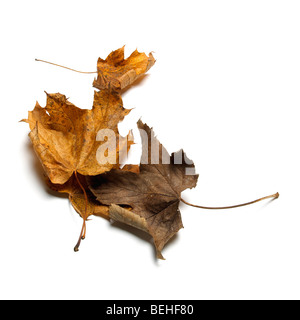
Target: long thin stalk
{"x": 274, "y": 196}
{"x": 58, "y": 65}
{"x": 83, "y": 229}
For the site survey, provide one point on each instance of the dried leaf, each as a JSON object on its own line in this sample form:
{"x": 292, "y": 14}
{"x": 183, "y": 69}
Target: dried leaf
{"x": 154, "y": 194}
{"x": 65, "y": 137}
{"x": 117, "y": 73}
{"x": 67, "y": 140}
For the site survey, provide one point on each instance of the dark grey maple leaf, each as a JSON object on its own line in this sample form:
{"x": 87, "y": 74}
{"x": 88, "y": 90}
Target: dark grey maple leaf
{"x": 153, "y": 194}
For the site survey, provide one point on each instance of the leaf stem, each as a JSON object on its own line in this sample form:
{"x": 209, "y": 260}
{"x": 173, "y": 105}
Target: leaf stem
{"x": 83, "y": 229}
{"x": 58, "y": 65}
{"x": 76, "y": 248}
{"x": 274, "y": 196}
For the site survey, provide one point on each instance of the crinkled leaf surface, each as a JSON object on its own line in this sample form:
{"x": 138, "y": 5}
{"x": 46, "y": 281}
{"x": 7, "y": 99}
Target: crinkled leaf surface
{"x": 117, "y": 73}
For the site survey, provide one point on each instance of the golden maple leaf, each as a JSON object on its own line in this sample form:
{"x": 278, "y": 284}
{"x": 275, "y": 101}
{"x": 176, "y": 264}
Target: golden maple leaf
{"x": 65, "y": 137}
{"x": 117, "y": 73}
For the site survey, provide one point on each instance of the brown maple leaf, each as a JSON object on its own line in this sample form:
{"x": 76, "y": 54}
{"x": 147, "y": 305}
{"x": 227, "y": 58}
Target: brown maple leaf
{"x": 154, "y": 194}
{"x": 117, "y": 73}
{"x": 65, "y": 137}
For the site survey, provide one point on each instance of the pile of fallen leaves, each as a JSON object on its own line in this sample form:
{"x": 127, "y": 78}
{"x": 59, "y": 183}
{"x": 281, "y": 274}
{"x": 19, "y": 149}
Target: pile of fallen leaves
{"x": 66, "y": 140}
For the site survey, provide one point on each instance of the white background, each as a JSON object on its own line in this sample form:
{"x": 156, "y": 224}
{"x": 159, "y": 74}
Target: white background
{"x": 225, "y": 87}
